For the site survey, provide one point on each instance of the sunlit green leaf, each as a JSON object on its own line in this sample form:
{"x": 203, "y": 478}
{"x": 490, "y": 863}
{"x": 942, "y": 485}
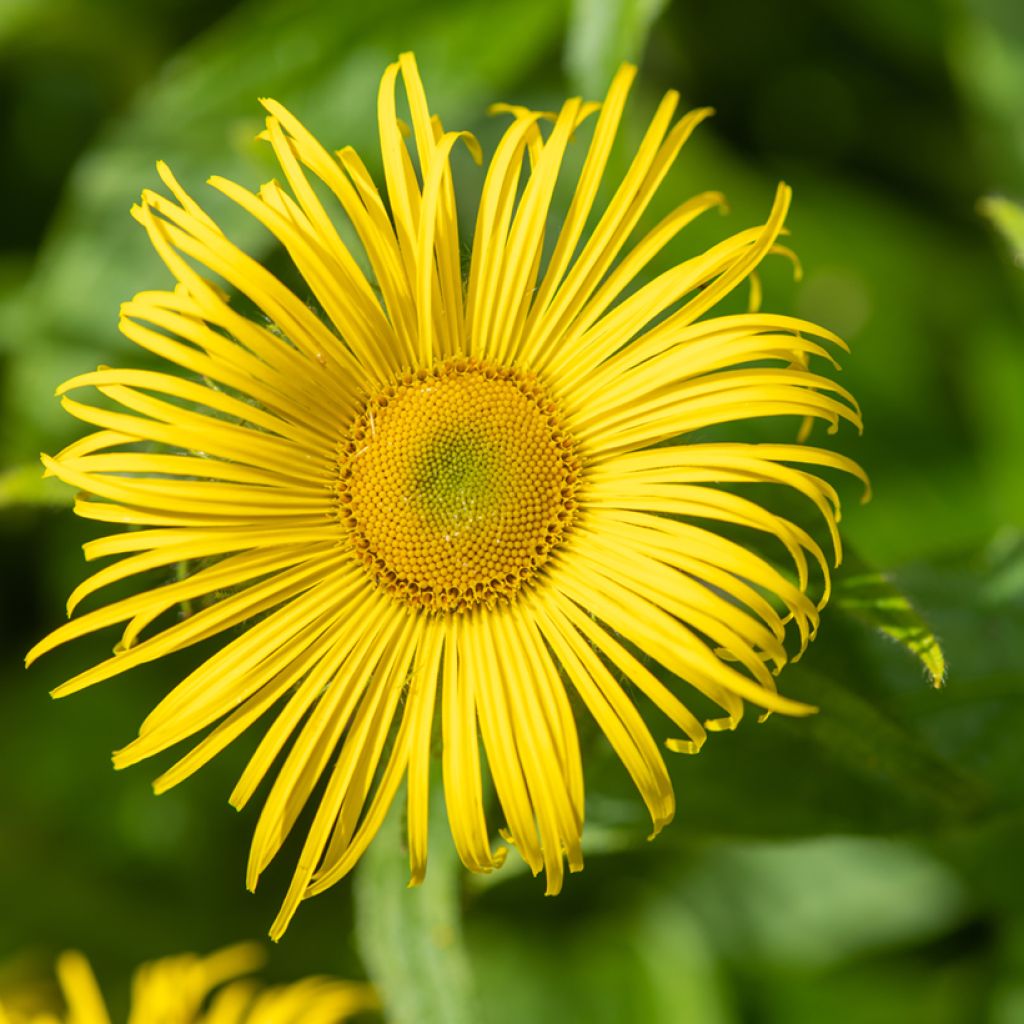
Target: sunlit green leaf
{"x": 25, "y": 485}
{"x": 603, "y": 34}
{"x": 872, "y": 597}
{"x": 1007, "y": 217}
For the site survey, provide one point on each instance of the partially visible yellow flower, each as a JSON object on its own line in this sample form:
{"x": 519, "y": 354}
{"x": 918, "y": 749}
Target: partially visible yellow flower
{"x": 407, "y": 496}
{"x": 191, "y": 989}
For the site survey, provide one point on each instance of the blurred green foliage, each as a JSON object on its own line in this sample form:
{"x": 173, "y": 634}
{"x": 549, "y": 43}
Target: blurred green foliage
{"x": 859, "y": 866}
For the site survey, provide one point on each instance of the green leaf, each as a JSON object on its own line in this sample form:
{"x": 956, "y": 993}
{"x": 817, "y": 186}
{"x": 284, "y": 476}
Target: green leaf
{"x": 1007, "y": 217}
{"x": 632, "y": 952}
{"x": 821, "y": 900}
{"x": 18, "y": 15}
{"x": 603, "y": 34}
{"x": 853, "y": 767}
{"x": 872, "y": 597}
{"x": 25, "y": 485}
{"x": 411, "y": 938}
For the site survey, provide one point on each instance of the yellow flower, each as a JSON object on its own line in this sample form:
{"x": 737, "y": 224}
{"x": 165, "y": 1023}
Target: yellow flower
{"x": 484, "y": 499}
{"x": 190, "y": 989}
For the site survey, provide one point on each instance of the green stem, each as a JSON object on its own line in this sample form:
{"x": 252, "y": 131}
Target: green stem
{"x": 411, "y": 939}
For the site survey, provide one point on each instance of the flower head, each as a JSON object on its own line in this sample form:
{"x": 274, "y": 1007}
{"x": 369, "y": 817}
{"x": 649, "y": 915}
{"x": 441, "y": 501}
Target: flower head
{"x": 191, "y": 989}
{"x": 404, "y": 495}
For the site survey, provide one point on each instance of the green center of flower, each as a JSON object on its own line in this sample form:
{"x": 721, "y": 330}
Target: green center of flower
{"x": 456, "y": 484}
{"x": 455, "y": 478}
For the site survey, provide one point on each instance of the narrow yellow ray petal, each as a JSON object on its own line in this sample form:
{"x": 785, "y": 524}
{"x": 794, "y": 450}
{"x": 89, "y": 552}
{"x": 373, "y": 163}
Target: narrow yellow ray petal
{"x": 229, "y": 571}
{"x": 700, "y": 340}
{"x": 185, "y": 201}
{"x": 351, "y": 629}
{"x": 421, "y": 122}
{"x": 737, "y": 462}
{"x": 585, "y": 349}
{"x": 346, "y": 177}
{"x": 726, "y": 406}
{"x": 300, "y": 325}
{"x": 394, "y": 155}
{"x": 346, "y": 848}
{"x": 525, "y": 241}
{"x": 435, "y": 262}
{"x": 238, "y": 538}
{"x": 637, "y": 674}
{"x": 205, "y": 623}
{"x": 702, "y": 502}
{"x": 94, "y": 442}
{"x": 499, "y": 740}
{"x": 580, "y": 584}
{"x": 204, "y": 498}
{"x": 460, "y": 754}
{"x": 540, "y": 749}
{"x": 198, "y": 298}
{"x": 666, "y": 639}
{"x": 586, "y": 189}
{"x": 386, "y": 688}
{"x": 540, "y": 169}
{"x": 198, "y": 313}
{"x": 281, "y": 672}
{"x": 105, "y": 512}
{"x": 314, "y": 746}
{"x": 395, "y": 282}
{"x": 158, "y": 465}
{"x": 190, "y": 391}
{"x": 652, "y": 161}
{"x": 239, "y": 669}
{"x": 535, "y": 138}
{"x": 338, "y": 284}
{"x": 239, "y": 370}
{"x": 82, "y": 994}
{"x": 535, "y": 667}
{"x": 417, "y": 717}
{"x": 612, "y": 710}
{"x": 721, "y": 287}
{"x": 681, "y": 539}
{"x": 492, "y": 223}
{"x": 621, "y": 379}
{"x": 640, "y": 255}
{"x": 362, "y": 748}
{"x": 422, "y": 700}
{"x": 205, "y": 545}
{"x": 692, "y": 603}
{"x": 321, "y": 229}
{"x": 252, "y": 567}
{"x": 742, "y": 384}
{"x": 196, "y": 433}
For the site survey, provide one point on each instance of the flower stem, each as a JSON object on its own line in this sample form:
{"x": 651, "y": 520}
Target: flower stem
{"x": 411, "y": 939}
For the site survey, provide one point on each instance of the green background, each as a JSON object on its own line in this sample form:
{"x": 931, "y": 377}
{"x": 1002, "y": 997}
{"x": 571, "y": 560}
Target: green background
{"x": 864, "y": 865}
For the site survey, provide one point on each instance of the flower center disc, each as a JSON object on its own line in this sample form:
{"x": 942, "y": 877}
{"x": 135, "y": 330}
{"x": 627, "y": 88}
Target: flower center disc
{"x": 456, "y": 484}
